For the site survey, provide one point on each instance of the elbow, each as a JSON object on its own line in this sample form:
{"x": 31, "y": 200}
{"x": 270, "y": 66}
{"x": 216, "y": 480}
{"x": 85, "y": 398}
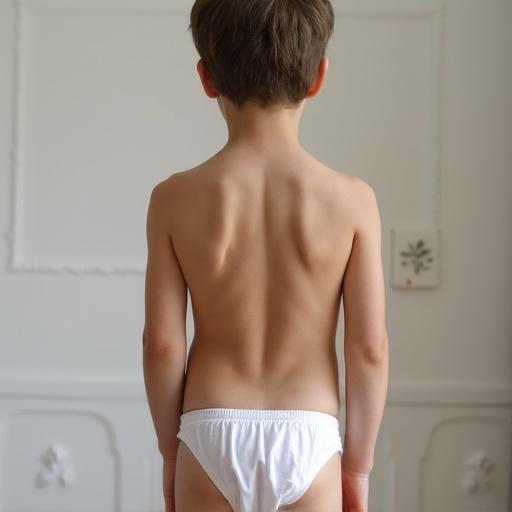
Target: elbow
{"x": 161, "y": 346}
{"x": 156, "y": 350}
{"x": 375, "y": 355}
{"x": 374, "y": 352}
{"x": 153, "y": 344}
{"x": 377, "y": 352}
{"x": 155, "y": 347}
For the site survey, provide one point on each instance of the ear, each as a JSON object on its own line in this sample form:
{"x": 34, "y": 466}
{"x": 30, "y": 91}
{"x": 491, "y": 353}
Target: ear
{"x": 320, "y": 78}
{"x": 208, "y": 87}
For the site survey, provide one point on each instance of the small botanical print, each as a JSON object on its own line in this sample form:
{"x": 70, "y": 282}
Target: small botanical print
{"x": 418, "y": 256}
{"x": 415, "y": 258}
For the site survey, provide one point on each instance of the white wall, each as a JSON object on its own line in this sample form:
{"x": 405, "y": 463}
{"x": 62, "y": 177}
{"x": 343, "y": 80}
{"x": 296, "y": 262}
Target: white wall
{"x": 100, "y": 100}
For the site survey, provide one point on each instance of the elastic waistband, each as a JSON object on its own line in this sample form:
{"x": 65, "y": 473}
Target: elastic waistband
{"x": 221, "y": 413}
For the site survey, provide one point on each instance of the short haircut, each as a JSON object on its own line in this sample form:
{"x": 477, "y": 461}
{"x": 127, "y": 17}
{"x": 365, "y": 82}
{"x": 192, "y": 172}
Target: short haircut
{"x": 265, "y": 50}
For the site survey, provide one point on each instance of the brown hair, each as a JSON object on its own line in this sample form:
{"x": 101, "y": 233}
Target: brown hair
{"x": 265, "y": 50}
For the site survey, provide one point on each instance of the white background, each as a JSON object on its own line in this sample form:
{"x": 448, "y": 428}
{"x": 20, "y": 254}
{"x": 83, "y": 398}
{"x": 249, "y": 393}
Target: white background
{"x": 100, "y": 100}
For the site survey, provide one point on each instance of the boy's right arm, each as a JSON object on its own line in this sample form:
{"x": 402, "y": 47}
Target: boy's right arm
{"x": 365, "y": 339}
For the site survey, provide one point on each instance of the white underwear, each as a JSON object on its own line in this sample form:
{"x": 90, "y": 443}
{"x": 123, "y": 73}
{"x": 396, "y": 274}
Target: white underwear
{"x": 261, "y": 459}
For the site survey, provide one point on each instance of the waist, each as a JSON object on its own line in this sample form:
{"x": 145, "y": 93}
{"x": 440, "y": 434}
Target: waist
{"x": 217, "y": 384}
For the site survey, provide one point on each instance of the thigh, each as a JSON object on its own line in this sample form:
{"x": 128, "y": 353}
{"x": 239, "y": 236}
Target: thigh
{"x": 194, "y": 490}
{"x": 324, "y": 492}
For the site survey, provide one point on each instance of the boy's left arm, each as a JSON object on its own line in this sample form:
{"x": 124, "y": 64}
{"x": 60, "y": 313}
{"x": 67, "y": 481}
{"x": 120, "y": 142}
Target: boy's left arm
{"x": 164, "y": 336}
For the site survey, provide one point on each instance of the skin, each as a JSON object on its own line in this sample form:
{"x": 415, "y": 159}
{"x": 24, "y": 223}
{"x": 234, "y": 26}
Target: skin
{"x": 267, "y": 239}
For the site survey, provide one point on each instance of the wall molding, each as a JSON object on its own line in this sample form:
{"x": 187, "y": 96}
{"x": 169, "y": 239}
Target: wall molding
{"x": 111, "y": 433}
{"x": 399, "y": 393}
{"x": 477, "y": 475}
{"x": 19, "y": 263}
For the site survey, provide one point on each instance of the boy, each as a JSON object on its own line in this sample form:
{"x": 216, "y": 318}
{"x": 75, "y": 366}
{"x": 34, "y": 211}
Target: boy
{"x": 267, "y": 239}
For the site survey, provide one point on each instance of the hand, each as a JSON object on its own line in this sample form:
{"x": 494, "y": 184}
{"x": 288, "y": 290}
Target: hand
{"x": 355, "y": 487}
{"x": 169, "y": 471}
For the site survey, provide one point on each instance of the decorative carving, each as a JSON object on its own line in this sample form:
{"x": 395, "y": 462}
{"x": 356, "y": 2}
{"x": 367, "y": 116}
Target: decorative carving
{"x": 57, "y": 467}
{"x": 479, "y": 473}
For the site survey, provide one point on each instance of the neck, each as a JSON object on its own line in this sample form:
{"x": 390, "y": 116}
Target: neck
{"x": 262, "y": 128}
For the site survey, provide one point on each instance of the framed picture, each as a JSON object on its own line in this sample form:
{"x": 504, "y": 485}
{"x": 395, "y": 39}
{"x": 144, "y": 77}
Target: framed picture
{"x": 415, "y": 258}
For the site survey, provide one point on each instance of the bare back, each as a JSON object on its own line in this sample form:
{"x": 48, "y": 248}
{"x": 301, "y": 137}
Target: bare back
{"x": 263, "y": 245}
